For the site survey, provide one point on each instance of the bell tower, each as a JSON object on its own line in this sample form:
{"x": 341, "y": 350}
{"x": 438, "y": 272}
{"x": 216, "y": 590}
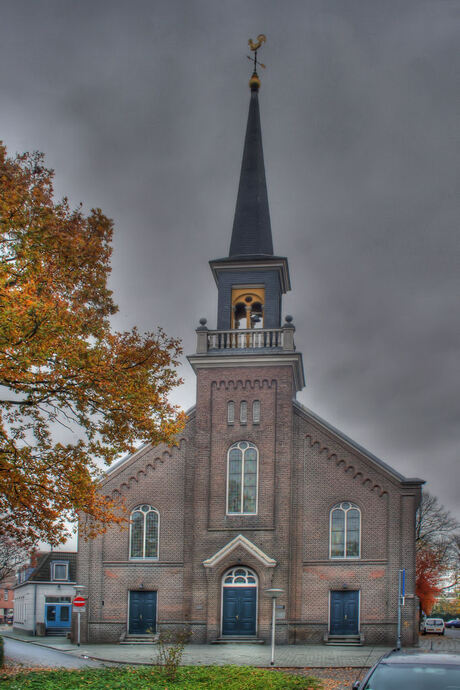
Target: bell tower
{"x": 251, "y": 280}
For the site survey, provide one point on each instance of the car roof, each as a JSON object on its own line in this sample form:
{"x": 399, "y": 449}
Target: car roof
{"x": 421, "y": 658}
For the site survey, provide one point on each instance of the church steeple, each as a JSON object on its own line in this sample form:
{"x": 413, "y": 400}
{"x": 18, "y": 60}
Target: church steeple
{"x": 252, "y": 235}
{"x": 251, "y": 281}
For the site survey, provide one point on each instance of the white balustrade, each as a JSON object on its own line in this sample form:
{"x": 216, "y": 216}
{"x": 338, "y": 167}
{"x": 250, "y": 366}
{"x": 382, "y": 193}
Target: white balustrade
{"x": 245, "y": 339}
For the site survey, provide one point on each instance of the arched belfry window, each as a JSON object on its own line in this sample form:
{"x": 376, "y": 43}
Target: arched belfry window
{"x": 248, "y": 307}
{"x": 144, "y": 531}
{"x": 240, "y": 577}
{"x": 345, "y": 531}
{"x": 242, "y": 478}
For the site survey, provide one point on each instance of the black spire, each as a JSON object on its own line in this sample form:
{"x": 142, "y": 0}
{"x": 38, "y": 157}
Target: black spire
{"x": 252, "y": 235}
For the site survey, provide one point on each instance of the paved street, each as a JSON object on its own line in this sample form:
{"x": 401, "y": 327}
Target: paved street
{"x": 25, "y": 654}
{"x": 287, "y": 656}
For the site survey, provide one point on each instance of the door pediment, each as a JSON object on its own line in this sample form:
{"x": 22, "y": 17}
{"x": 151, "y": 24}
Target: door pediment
{"x": 240, "y": 542}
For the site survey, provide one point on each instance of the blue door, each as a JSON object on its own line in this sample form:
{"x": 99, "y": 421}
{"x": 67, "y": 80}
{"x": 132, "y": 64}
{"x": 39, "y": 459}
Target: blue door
{"x": 57, "y": 616}
{"x": 239, "y": 611}
{"x": 142, "y": 613}
{"x": 344, "y": 613}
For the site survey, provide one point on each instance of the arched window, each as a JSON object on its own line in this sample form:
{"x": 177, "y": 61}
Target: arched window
{"x": 345, "y": 528}
{"x": 144, "y": 531}
{"x": 256, "y": 412}
{"x": 230, "y": 412}
{"x": 242, "y": 478}
{"x": 240, "y": 577}
{"x": 243, "y": 412}
{"x": 248, "y": 307}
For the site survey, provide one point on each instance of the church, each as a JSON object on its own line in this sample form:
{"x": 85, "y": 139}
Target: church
{"x": 259, "y": 492}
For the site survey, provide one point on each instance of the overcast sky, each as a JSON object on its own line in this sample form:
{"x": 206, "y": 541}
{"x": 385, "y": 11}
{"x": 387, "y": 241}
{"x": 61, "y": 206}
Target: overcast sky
{"x": 140, "y": 107}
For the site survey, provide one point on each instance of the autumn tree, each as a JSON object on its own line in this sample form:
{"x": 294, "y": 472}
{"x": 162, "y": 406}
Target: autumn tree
{"x": 12, "y": 554}
{"x": 437, "y": 551}
{"x": 73, "y": 394}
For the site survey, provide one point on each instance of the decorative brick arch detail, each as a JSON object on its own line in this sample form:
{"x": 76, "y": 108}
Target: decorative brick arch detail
{"x": 348, "y": 467}
{"x": 150, "y": 466}
{"x": 239, "y": 384}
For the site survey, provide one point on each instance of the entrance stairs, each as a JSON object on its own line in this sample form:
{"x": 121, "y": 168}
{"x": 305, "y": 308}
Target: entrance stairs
{"x": 57, "y": 632}
{"x": 344, "y": 640}
{"x": 138, "y": 639}
{"x": 244, "y": 639}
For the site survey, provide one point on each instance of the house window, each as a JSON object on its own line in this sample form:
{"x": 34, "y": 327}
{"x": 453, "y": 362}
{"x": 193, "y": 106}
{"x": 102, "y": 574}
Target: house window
{"x": 230, "y": 412}
{"x": 243, "y": 412}
{"x": 60, "y": 570}
{"x": 5, "y": 595}
{"x": 242, "y": 479}
{"x": 345, "y": 531}
{"x": 144, "y": 532}
{"x": 256, "y": 412}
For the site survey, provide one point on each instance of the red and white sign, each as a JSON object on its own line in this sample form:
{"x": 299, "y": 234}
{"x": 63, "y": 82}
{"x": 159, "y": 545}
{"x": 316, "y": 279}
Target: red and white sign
{"x": 79, "y": 602}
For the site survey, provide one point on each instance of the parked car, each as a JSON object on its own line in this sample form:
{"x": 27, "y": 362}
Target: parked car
{"x": 433, "y": 625}
{"x": 413, "y": 671}
{"x": 454, "y": 623}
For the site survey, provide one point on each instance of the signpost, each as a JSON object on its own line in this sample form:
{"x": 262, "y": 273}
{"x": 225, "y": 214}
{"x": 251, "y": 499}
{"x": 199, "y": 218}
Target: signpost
{"x": 79, "y": 605}
{"x": 401, "y": 596}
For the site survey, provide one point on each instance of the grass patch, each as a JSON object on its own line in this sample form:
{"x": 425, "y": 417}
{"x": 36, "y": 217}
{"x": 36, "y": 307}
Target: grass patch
{"x": 152, "y": 678}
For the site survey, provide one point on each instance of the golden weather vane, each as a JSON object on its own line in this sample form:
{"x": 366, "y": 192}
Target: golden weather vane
{"x": 261, "y": 38}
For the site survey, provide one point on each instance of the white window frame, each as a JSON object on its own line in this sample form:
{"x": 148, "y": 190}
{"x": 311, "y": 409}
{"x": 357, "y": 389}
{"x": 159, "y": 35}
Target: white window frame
{"x": 145, "y": 558}
{"x": 254, "y": 403}
{"x": 231, "y": 412}
{"x": 244, "y": 416}
{"x": 338, "y": 506}
{"x": 236, "y": 445}
{"x": 53, "y": 571}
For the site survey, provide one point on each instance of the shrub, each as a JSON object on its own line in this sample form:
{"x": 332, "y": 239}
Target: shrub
{"x": 171, "y": 650}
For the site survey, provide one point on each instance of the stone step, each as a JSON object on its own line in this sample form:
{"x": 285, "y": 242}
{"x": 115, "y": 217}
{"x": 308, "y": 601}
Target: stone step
{"x": 344, "y": 640}
{"x": 141, "y": 639}
{"x": 57, "y": 632}
{"x": 238, "y": 640}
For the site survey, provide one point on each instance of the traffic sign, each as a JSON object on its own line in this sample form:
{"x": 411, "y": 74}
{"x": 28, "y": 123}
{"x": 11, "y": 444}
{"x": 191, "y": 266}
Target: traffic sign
{"x": 79, "y": 602}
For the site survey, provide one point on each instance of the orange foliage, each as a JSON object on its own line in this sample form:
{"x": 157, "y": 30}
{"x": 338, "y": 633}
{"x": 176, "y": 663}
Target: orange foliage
{"x": 61, "y": 367}
{"x": 428, "y": 573}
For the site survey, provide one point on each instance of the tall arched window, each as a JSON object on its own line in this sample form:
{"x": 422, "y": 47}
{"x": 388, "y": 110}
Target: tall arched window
{"x": 242, "y": 478}
{"x": 345, "y": 529}
{"x": 145, "y": 522}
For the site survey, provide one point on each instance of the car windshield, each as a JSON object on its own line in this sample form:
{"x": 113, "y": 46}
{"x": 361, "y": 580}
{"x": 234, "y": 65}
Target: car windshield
{"x": 414, "y": 677}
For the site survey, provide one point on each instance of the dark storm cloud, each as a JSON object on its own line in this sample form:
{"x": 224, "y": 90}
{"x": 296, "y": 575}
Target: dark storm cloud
{"x": 141, "y": 109}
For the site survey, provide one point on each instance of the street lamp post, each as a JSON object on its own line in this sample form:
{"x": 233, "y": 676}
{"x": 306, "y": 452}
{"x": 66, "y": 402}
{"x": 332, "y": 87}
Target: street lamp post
{"x": 274, "y": 593}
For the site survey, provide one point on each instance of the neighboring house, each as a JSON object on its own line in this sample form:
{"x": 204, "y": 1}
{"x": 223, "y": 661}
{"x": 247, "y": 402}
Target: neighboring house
{"x": 43, "y": 594}
{"x": 260, "y": 492}
{"x": 6, "y": 598}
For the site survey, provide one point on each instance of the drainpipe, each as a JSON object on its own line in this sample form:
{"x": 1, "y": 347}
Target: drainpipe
{"x": 34, "y": 628}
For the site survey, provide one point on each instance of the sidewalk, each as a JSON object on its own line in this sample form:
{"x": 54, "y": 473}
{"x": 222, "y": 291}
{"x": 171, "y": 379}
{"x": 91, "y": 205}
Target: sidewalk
{"x": 286, "y": 656}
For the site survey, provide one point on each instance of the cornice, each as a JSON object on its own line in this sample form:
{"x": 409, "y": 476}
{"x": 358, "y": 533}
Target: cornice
{"x": 215, "y": 361}
{"x": 279, "y": 263}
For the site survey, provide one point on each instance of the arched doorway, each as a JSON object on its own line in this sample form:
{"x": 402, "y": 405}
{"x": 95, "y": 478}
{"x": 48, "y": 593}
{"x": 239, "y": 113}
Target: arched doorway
{"x": 239, "y": 602}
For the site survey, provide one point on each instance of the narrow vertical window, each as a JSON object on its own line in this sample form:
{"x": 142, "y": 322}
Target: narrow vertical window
{"x": 345, "y": 531}
{"x": 243, "y": 412}
{"x": 230, "y": 412}
{"x": 256, "y": 412}
{"x": 144, "y": 532}
{"x": 242, "y": 478}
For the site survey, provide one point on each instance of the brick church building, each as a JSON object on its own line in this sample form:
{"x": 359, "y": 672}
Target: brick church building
{"x": 260, "y": 492}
